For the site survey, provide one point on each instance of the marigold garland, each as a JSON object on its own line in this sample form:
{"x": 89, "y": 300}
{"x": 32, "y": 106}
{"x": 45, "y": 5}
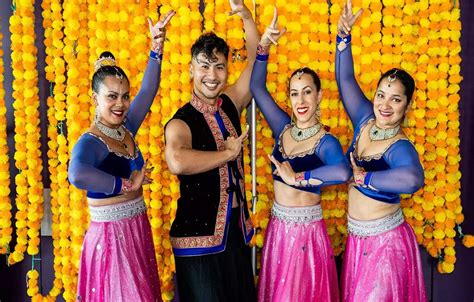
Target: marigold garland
{"x": 52, "y": 21}
{"x": 5, "y": 202}
{"x": 28, "y": 181}
{"x": 428, "y": 31}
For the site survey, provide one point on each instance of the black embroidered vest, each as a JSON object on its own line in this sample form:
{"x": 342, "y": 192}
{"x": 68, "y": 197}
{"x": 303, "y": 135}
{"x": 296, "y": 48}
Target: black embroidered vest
{"x": 203, "y": 212}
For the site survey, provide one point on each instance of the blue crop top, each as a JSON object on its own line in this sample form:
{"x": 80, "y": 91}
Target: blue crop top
{"x": 395, "y": 171}
{"x": 98, "y": 170}
{"x": 98, "y": 156}
{"x": 325, "y": 161}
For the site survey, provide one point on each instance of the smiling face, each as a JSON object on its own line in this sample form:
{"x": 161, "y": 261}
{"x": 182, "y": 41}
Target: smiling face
{"x": 209, "y": 76}
{"x": 305, "y": 99}
{"x": 390, "y": 103}
{"x": 112, "y": 100}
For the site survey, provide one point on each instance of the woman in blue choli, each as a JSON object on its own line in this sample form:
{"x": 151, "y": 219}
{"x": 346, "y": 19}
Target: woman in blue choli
{"x": 381, "y": 260}
{"x": 117, "y": 257}
{"x": 297, "y": 258}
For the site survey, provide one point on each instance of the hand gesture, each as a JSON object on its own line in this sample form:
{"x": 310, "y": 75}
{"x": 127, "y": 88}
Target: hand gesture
{"x": 234, "y": 144}
{"x": 238, "y": 7}
{"x": 139, "y": 178}
{"x": 284, "y": 170}
{"x": 272, "y": 33}
{"x": 358, "y": 172}
{"x": 347, "y": 20}
{"x": 158, "y": 31}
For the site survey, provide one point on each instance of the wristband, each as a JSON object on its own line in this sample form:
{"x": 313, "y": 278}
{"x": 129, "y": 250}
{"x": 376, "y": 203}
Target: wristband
{"x": 157, "y": 56}
{"x": 343, "y": 42}
{"x": 263, "y": 52}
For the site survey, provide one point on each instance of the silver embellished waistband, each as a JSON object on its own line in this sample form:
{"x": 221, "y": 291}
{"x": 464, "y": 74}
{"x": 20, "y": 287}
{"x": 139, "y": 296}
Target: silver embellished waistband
{"x": 118, "y": 211}
{"x": 375, "y": 227}
{"x": 299, "y": 215}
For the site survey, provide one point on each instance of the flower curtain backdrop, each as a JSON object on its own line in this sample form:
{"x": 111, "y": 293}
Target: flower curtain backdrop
{"x": 422, "y": 37}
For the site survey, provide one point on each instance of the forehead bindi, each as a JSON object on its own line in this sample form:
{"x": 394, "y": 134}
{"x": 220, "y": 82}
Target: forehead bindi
{"x": 113, "y": 84}
{"x": 395, "y": 87}
{"x": 302, "y": 82}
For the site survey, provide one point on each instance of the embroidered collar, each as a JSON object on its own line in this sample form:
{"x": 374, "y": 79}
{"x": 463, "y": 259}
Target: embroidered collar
{"x": 203, "y": 107}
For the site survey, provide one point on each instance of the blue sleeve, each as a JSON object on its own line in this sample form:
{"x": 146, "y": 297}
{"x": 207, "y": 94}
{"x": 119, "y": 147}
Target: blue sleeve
{"x": 357, "y": 106}
{"x": 275, "y": 116}
{"x": 142, "y": 102}
{"x": 83, "y": 173}
{"x": 405, "y": 176}
{"x": 336, "y": 169}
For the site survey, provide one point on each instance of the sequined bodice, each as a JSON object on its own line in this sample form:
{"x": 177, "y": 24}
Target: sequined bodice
{"x": 304, "y": 161}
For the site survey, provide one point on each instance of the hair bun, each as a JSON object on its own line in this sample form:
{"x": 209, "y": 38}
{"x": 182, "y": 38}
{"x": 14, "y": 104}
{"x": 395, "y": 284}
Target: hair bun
{"x": 106, "y": 59}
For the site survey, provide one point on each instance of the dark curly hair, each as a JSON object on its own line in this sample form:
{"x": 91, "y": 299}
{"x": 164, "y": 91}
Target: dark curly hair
{"x": 207, "y": 43}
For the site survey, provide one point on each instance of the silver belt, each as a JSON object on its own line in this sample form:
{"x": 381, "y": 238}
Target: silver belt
{"x": 118, "y": 211}
{"x": 375, "y": 227}
{"x": 298, "y": 215}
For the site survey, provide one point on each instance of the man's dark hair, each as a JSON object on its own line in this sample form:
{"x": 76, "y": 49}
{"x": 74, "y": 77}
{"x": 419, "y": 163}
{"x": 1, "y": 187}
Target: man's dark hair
{"x": 207, "y": 44}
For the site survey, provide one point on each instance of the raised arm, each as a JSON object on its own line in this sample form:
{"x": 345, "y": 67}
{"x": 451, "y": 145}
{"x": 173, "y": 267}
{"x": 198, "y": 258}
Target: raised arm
{"x": 182, "y": 159}
{"x": 239, "y": 92}
{"x": 151, "y": 79}
{"x": 357, "y": 106}
{"x": 275, "y": 116}
{"x": 405, "y": 176}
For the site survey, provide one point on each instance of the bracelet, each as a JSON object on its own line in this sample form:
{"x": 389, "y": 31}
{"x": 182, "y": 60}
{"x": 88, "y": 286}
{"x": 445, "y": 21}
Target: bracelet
{"x": 126, "y": 185}
{"x": 157, "y": 56}
{"x": 263, "y": 52}
{"x": 300, "y": 179}
{"x": 359, "y": 178}
{"x": 342, "y": 43}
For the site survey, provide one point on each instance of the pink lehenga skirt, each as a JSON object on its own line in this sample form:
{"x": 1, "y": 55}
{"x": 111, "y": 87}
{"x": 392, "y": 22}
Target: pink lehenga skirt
{"x": 118, "y": 258}
{"x": 297, "y": 258}
{"x": 382, "y": 262}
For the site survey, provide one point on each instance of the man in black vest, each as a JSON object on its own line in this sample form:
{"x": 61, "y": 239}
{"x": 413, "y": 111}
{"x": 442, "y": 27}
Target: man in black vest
{"x": 212, "y": 229}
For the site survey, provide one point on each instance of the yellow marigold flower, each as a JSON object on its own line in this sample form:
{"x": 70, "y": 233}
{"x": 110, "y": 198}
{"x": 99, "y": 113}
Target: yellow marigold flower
{"x": 439, "y": 202}
{"x": 447, "y": 267}
{"x": 449, "y": 251}
{"x": 440, "y": 217}
{"x": 450, "y": 233}
{"x": 439, "y": 234}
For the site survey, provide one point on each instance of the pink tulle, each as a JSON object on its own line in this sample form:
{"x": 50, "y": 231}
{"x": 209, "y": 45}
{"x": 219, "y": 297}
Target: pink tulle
{"x": 297, "y": 263}
{"x": 385, "y": 267}
{"x": 118, "y": 262}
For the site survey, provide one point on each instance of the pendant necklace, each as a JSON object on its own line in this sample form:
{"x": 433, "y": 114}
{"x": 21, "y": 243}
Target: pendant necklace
{"x": 116, "y": 134}
{"x": 380, "y": 134}
{"x": 299, "y": 134}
